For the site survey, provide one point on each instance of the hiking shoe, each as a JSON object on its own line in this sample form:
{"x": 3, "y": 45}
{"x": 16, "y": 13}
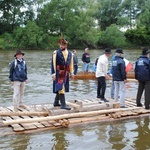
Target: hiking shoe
{"x": 146, "y": 107}
{"x": 22, "y": 106}
{"x": 123, "y": 107}
{"x": 98, "y": 96}
{"x": 105, "y": 100}
{"x": 139, "y": 105}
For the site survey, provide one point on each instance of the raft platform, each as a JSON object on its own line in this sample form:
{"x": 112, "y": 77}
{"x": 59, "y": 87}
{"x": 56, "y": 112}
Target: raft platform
{"x": 36, "y": 118}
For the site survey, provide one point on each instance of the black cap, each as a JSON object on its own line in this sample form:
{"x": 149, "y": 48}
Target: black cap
{"x": 119, "y": 50}
{"x": 107, "y": 51}
{"x": 145, "y": 51}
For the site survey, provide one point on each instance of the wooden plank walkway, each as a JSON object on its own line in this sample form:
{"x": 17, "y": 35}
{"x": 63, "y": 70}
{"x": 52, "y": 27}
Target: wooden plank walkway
{"x": 33, "y": 119}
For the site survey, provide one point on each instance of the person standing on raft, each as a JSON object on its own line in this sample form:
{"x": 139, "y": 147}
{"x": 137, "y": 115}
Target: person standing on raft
{"x": 61, "y": 68}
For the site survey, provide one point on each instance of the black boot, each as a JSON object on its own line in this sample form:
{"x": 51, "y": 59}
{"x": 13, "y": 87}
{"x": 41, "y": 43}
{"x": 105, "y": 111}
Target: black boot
{"x": 63, "y": 103}
{"x": 56, "y": 102}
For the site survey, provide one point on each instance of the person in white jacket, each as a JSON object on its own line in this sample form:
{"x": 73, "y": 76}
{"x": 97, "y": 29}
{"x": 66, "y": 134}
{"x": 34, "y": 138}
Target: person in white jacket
{"x": 101, "y": 74}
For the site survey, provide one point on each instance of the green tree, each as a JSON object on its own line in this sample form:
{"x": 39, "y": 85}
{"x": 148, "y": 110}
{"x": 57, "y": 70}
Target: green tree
{"x": 31, "y": 37}
{"x": 138, "y": 36}
{"x": 109, "y": 12}
{"x": 73, "y": 18}
{"x": 112, "y": 37}
{"x": 144, "y": 17}
{"x": 14, "y": 13}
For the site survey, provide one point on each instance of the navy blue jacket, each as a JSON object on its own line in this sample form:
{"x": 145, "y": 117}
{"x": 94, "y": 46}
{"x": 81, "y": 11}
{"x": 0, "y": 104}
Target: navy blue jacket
{"x": 18, "y": 72}
{"x": 86, "y": 57}
{"x": 118, "y": 69}
{"x": 142, "y": 69}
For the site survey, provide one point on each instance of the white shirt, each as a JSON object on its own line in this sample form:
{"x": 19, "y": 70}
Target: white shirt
{"x": 102, "y": 66}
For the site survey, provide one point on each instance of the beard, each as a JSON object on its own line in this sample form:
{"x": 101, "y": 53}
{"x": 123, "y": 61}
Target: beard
{"x": 62, "y": 48}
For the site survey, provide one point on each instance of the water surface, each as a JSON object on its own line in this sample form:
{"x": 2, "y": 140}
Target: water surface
{"x": 126, "y": 135}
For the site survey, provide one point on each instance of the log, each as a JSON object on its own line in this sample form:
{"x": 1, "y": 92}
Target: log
{"x": 96, "y": 107}
{"x": 85, "y": 108}
{"x": 65, "y": 116}
{"x": 87, "y": 119}
{"x": 7, "y": 113}
{"x": 76, "y": 106}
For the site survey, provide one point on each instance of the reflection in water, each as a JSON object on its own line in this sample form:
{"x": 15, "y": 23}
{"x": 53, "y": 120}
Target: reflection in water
{"x": 142, "y": 140}
{"x": 116, "y": 136}
{"x": 59, "y": 141}
{"x": 20, "y": 143}
{"x": 127, "y": 135}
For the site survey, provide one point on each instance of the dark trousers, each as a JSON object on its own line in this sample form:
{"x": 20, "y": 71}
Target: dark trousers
{"x": 101, "y": 88}
{"x": 75, "y": 69}
{"x": 141, "y": 87}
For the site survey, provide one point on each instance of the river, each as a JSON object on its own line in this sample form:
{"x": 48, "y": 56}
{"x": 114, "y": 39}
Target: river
{"x": 126, "y": 135}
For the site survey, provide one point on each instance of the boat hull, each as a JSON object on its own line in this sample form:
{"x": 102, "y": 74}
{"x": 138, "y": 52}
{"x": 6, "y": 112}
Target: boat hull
{"x": 91, "y": 75}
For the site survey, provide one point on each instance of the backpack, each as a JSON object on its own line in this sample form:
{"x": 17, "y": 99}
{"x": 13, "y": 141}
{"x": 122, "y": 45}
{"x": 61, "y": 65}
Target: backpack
{"x": 15, "y": 63}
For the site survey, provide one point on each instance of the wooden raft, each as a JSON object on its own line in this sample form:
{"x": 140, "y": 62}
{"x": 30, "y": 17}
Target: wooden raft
{"x": 45, "y": 116}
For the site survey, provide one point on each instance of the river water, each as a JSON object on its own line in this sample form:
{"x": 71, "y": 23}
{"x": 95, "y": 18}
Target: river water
{"x": 126, "y": 135}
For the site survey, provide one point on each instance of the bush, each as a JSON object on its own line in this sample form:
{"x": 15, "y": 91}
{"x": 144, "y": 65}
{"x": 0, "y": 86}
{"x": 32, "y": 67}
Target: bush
{"x": 7, "y": 41}
{"x": 112, "y": 37}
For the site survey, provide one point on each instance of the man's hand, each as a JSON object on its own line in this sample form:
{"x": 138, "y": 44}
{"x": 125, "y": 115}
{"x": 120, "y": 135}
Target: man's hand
{"x": 12, "y": 82}
{"x": 125, "y": 81}
{"x": 107, "y": 77}
{"x": 54, "y": 78}
{"x": 72, "y": 77}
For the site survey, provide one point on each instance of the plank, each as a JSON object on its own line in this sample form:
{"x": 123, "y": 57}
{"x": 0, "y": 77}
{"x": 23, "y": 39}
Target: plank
{"x": 26, "y": 126}
{"x": 15, "y": 127}
{"x": 37, "y": 124}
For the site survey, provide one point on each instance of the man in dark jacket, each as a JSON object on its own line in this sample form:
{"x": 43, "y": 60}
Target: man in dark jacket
{"x": 119, "y": 76}
{"x": 142, "y": 74}
{"x": 18, "y": 77}
{"x": 86, "y": 60}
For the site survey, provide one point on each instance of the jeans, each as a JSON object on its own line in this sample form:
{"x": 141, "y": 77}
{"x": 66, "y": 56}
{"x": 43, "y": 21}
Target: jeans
{"x": 119, "y": 88}
{"x": 112, "y": 89}
{"x": 86, "y": 67}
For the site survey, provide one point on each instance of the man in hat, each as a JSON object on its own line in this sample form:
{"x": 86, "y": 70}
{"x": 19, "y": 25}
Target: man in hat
{"x": 119, "y": 76}
{"x": 142, "y": 74}
{"x": 18, "y": 77}
{"x": 62, "y": 69}
{"x": 101, "y": 74}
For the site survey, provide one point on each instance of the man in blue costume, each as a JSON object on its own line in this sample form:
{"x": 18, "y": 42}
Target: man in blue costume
{"x": 61, "y": 68}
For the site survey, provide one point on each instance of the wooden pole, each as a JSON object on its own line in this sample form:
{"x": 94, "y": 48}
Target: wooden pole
{"x": 85, "y": 108}
{"x": 65, "y": 116}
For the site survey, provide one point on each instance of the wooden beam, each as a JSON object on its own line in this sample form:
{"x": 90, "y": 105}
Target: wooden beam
{"x": 65, "y": 116}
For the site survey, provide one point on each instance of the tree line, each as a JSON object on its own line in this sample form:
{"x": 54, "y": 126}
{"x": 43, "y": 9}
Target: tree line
{"x": 37, "y": 24}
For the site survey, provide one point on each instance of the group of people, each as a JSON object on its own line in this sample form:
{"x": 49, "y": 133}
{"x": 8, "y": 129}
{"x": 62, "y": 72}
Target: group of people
{"x": 64, "y": 65}
{"x": 119, "y": 78}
